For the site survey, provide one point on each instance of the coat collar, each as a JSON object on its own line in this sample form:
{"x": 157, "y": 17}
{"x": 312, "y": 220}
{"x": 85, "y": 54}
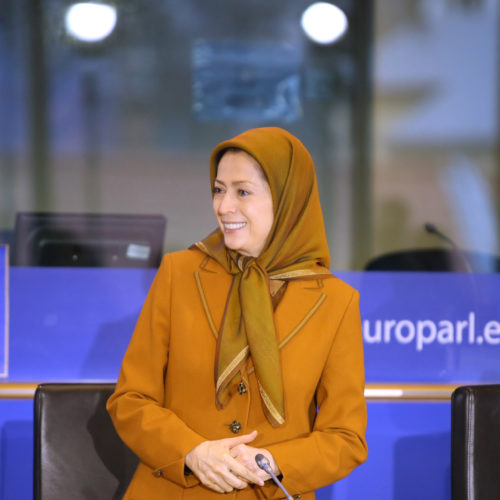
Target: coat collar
{"x": 299, "y": 303}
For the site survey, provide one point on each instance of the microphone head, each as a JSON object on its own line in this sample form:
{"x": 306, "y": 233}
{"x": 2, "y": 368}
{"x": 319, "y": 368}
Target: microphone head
{"x": 430, "y": 228}
{"x": 262, "y": 461}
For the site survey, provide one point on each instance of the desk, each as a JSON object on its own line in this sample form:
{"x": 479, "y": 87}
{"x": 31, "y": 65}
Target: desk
{"x": 75, "y": 324}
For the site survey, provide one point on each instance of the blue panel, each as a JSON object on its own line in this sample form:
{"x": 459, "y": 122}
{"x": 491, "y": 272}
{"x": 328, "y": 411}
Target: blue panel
{"x": 73, "y": 324}
{"x": 4, "y": 304}
{"x": 409, "y": 455}
{"x": 16, "y": 449}
{"x": 430, "y": 327}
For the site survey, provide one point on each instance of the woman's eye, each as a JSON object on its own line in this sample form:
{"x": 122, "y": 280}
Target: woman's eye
{"x": 216, "y": 190}
{"x": 242, "y": 192}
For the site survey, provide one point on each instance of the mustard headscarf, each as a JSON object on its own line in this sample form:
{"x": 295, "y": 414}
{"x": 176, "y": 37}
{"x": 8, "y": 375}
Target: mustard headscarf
{"x": 296, "y": 248}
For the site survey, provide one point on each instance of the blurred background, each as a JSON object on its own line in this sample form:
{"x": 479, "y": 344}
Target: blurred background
{"x": 114, "y": 107}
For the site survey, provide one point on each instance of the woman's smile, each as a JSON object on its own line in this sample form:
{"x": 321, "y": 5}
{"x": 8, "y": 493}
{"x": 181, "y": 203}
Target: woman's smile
{"x": 233, "y": 226}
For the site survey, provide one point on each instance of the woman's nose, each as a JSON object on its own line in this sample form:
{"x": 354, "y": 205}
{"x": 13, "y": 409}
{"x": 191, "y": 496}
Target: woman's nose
{"x": 226, "y": 204}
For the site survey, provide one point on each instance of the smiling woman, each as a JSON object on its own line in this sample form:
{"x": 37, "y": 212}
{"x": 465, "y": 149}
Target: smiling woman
{"x": 247, "y": 344}
{"x": 242, "y": 203}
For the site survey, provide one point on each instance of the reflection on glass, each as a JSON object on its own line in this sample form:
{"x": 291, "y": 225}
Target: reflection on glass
{"x": 246, "y": 81}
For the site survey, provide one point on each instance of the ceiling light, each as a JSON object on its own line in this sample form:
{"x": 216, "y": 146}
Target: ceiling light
{"x": 324, "y": 22}
{"x": 90, "y": 21}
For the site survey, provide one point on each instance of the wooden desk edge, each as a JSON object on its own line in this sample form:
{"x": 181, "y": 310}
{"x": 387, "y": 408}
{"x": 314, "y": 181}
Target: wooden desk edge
{"x": 373, "y": 392}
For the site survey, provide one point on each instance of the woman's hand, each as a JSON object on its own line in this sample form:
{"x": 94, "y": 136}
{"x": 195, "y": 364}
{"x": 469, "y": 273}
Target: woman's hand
{"x": 212, "y": 463}
{"x": 245, "y": 455}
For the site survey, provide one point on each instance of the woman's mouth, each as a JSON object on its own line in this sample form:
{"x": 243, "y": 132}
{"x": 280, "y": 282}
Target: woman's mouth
{"x": 229, "y": 227}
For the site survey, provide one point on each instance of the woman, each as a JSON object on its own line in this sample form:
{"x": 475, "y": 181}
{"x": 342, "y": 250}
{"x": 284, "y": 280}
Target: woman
{"x": 246, "y": 343}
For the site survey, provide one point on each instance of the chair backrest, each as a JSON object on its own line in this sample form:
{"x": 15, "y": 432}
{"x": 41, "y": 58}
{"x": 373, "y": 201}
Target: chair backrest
{"x": 435, "y": 259}
{"x": 475, "y": 443}
{"x": 78, "y": 454}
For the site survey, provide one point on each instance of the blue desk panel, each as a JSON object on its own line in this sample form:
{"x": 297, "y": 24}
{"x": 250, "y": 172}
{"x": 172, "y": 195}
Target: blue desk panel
{"x": 72, "y": 324}
{"x": 75, "y": 324}
{"x": 409, "y": 457}
{"x": 16, "y": 449}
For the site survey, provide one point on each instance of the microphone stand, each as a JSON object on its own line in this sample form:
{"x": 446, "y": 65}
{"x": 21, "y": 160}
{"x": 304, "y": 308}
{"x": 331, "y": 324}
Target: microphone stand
{"x": 264, "y": 464}
{"x": 432, "y": 229}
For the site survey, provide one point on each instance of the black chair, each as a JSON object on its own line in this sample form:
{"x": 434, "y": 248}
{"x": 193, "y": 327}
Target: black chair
{"x": 475, "y": 443}
{"x": 78, "y": 454}
{"x": 434, "y": 260}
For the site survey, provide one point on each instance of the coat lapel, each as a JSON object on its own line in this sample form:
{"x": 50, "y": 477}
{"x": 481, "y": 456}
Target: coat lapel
{"x": 213, "y": 285}
{"x": 300, "y": 302}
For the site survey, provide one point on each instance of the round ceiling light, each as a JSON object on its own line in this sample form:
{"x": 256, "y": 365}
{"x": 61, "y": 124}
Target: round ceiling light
{"x": 90, "y": 21}
{"x": 324, "y": 23}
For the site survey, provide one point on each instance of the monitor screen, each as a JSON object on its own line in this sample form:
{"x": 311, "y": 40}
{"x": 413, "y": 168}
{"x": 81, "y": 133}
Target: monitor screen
{"x": 88, "y": 240}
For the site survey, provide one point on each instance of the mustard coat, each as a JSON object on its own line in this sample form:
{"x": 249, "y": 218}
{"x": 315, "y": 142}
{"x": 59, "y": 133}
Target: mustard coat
{"x": 164, "y": 403}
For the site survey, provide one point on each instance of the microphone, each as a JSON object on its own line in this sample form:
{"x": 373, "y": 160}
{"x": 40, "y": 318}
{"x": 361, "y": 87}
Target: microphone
{"x": 432, "y": 229}
{"x": 264, "y": 464}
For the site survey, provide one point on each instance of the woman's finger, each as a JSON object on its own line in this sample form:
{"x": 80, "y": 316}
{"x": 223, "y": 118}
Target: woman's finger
{"x": 224, "y": 478}
{"x": 245, "y": 455}
{"x": 238, "y": 440}
{"x": 227, "y": 477}
{"x": 244, "y": 472}
{"x": 237, "y": 450}
{"x": 212, "y": 463}
{"x": 215, "y": 487}
{"x": 248, "y": 461}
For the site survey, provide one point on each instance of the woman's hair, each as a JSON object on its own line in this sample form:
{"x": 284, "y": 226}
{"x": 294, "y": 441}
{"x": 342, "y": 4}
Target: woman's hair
{"x": 240, "y": 150}
{"x": 229, "y": 150}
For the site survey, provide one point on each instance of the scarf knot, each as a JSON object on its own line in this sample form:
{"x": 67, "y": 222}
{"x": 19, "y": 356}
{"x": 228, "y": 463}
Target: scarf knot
{"x": 243, "y": 262}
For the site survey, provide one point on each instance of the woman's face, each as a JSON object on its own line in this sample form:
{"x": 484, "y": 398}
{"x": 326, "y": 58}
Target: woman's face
{"x": 242, "y": 203}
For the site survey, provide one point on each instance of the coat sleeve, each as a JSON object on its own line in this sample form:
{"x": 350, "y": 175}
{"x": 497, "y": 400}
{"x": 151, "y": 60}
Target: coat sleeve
{"x": 337, "y": 443}
{"x": 155, "y": 434}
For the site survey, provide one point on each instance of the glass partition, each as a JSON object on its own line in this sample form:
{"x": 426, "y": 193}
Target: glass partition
{"x": 400, "y": 114}
{"x": 124, "y": 121}
{"x": 435, "y": 167}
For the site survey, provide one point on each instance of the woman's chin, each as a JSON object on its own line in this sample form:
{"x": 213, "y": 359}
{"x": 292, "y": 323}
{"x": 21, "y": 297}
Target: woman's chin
{"x": 231, "y": 245}
{"x": 232, "y": 242}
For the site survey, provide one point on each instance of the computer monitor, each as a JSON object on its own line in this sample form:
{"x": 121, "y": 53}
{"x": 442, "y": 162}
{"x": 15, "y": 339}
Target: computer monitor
{"x": 88, "y": 240}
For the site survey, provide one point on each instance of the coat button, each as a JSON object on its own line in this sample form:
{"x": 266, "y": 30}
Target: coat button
{"x": 242, "y": 388}
{"x": 235, "y": 427}
{"x": 297, "y": 496}
{"x": 158, "y": 473}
